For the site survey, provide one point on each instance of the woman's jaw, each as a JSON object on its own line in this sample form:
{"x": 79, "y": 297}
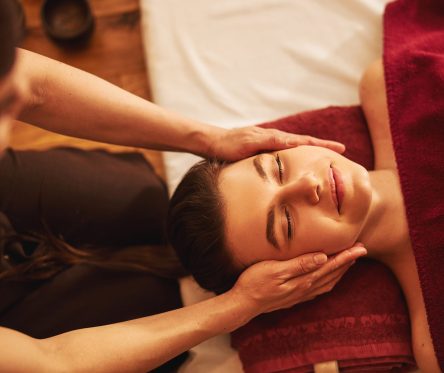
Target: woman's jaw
{"x": 386, "y": 227}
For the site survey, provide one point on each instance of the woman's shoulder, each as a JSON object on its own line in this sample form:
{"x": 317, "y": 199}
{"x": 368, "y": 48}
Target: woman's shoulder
{"x": 372, "y": 92}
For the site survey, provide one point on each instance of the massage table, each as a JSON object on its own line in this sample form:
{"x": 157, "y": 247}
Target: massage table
{"x": 233, "y": 63}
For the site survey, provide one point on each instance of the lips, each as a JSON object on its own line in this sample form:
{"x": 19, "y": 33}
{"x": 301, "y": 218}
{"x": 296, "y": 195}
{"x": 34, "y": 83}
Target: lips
{"x": 332, "y": 182}
{"x": 339, "y": 187}
{"x": 336, "y": 187}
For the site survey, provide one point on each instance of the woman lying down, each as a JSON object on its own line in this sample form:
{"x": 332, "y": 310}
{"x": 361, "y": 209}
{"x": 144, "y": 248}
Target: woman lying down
{"x": 225, "y": 217}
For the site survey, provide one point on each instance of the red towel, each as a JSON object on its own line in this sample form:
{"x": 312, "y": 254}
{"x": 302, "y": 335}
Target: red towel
{"x": 414, "y": 73}
{"x": 363, "y": 322}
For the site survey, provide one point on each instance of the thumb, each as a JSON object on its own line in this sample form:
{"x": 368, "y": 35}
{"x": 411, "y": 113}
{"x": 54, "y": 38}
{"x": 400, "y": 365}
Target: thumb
{"x": 302, "y": 264}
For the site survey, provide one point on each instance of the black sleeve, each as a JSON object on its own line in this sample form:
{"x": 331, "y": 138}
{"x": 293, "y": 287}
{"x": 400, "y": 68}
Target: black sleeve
{"x": 86, "y": 197}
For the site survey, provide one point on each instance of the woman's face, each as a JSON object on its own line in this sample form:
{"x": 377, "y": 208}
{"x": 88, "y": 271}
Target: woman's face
{"x": 283, "y": 204}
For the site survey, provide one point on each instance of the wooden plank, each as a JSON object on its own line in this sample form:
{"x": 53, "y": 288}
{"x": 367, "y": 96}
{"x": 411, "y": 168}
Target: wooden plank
{"x": 115, "y": 47}
{"x": 114, "y": 53}
{"x": 100, "y": 8}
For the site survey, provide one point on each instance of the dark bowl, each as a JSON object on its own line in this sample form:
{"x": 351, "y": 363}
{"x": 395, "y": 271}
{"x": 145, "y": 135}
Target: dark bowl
{"x": 67, "y": 20}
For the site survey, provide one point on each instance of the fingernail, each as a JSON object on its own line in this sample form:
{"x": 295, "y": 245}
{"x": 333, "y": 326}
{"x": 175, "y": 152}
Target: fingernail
{"x": 361, "y": 250}
{"x": 320, "y": 258}
{"x": 360, "y": 244}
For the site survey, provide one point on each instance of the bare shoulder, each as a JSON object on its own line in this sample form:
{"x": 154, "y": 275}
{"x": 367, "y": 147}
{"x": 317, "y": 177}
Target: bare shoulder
{"x": 373, "y": 78}
{"x": 372, "y": 92}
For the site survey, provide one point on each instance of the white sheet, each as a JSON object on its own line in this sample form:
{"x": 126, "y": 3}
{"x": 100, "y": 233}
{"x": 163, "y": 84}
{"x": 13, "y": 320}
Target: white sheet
{"x": 239, "y": 62}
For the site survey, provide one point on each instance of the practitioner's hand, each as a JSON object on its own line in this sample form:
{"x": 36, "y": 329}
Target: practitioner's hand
{"x": 244, "y": 142}
{"x": 272, "y": 285}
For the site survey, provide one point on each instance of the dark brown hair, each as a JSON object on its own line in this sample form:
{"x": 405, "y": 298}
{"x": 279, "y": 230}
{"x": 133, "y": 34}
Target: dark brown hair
{"x": 37, "y": 256}
{"x": 196, "y": 228}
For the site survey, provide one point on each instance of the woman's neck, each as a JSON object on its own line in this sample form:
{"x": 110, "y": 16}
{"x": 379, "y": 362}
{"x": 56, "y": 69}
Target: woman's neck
{"x": 386, "y": 230}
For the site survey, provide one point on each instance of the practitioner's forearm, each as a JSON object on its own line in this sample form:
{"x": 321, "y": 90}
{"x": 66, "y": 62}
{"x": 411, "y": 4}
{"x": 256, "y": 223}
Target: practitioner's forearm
{"x": 75, "y": 103}
{"x": 72, "y": 102}
{"x": 138, "y": 345}
{"x": 143, "y": 344}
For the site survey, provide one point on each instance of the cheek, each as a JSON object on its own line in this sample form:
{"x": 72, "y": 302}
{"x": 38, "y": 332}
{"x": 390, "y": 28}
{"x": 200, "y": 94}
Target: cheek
{"x": 327, "y": 235}
{"x": 358, "y": 205}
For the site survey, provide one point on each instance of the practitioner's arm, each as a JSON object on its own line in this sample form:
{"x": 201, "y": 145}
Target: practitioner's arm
{"x": 72, "y": 102}
{"x": 143, "y": 344}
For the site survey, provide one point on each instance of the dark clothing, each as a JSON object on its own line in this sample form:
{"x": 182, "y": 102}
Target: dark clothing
{"x": 88, "y": 198}
{"x": 9, "y": 33}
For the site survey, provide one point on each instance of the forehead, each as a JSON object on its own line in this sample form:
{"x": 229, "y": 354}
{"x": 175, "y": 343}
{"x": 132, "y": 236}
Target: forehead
{"x": 246, "y": 198}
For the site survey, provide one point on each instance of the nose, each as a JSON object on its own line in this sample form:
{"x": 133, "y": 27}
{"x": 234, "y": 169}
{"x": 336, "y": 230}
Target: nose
{"x": 304, "y": 188}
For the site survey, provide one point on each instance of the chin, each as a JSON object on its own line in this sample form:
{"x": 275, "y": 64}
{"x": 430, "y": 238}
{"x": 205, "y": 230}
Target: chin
{"x": 365, "y": 187}
{"x": 359, "y": 205}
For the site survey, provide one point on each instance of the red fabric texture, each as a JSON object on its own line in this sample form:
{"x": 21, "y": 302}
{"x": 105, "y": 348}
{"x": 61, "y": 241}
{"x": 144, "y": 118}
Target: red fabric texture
{"x": 363, "y": 322}
{"x": 414, "y": 74}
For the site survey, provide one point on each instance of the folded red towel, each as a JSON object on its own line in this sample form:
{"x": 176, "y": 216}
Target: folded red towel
{"x": 414, "y": 74}
{"x": 363, "y": 322}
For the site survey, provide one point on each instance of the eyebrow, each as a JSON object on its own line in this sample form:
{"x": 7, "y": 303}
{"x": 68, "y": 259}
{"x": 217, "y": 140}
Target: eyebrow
{"x": 270, "y": 232}
{"x": 258, "y": 163}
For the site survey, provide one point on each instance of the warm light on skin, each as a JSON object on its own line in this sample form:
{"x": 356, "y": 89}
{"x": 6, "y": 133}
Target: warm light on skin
{"x": 14, "y": 92}
{"x": 304, "y": 198}
{"x": 5, "y": 129}
{"x": 6, "y": 99}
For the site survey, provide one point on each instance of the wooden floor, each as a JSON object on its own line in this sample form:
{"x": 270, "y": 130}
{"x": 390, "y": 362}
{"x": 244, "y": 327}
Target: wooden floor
{"x": 114, "y": 53}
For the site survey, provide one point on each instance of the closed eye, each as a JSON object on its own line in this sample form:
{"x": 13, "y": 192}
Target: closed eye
{"x": 280, "y": 168}
{"x": 289, "y": 224}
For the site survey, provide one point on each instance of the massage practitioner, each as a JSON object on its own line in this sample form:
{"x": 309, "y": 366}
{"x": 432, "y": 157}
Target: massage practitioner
{"x": 63, "y": 99}
{"x": 298, "y": 200}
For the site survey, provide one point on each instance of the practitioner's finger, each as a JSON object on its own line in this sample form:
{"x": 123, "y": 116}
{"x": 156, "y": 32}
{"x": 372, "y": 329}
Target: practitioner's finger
{"x": 306, "y": 287}
{"x": 300, "y": 265}
{"x": 321, "y": 281}
{"x": 310, "y": 140}
{"x": 326, "y": 287}
{"x": 337, "y": 261}
{"x": 314, "y": 263}
{"x": 307, "y": 291}
{"x": 331, "y": 277}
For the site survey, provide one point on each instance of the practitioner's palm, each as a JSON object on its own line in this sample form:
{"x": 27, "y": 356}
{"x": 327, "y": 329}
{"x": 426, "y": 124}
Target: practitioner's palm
{"x": 271, "y": 285}
{"x": 245, "y": 142}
